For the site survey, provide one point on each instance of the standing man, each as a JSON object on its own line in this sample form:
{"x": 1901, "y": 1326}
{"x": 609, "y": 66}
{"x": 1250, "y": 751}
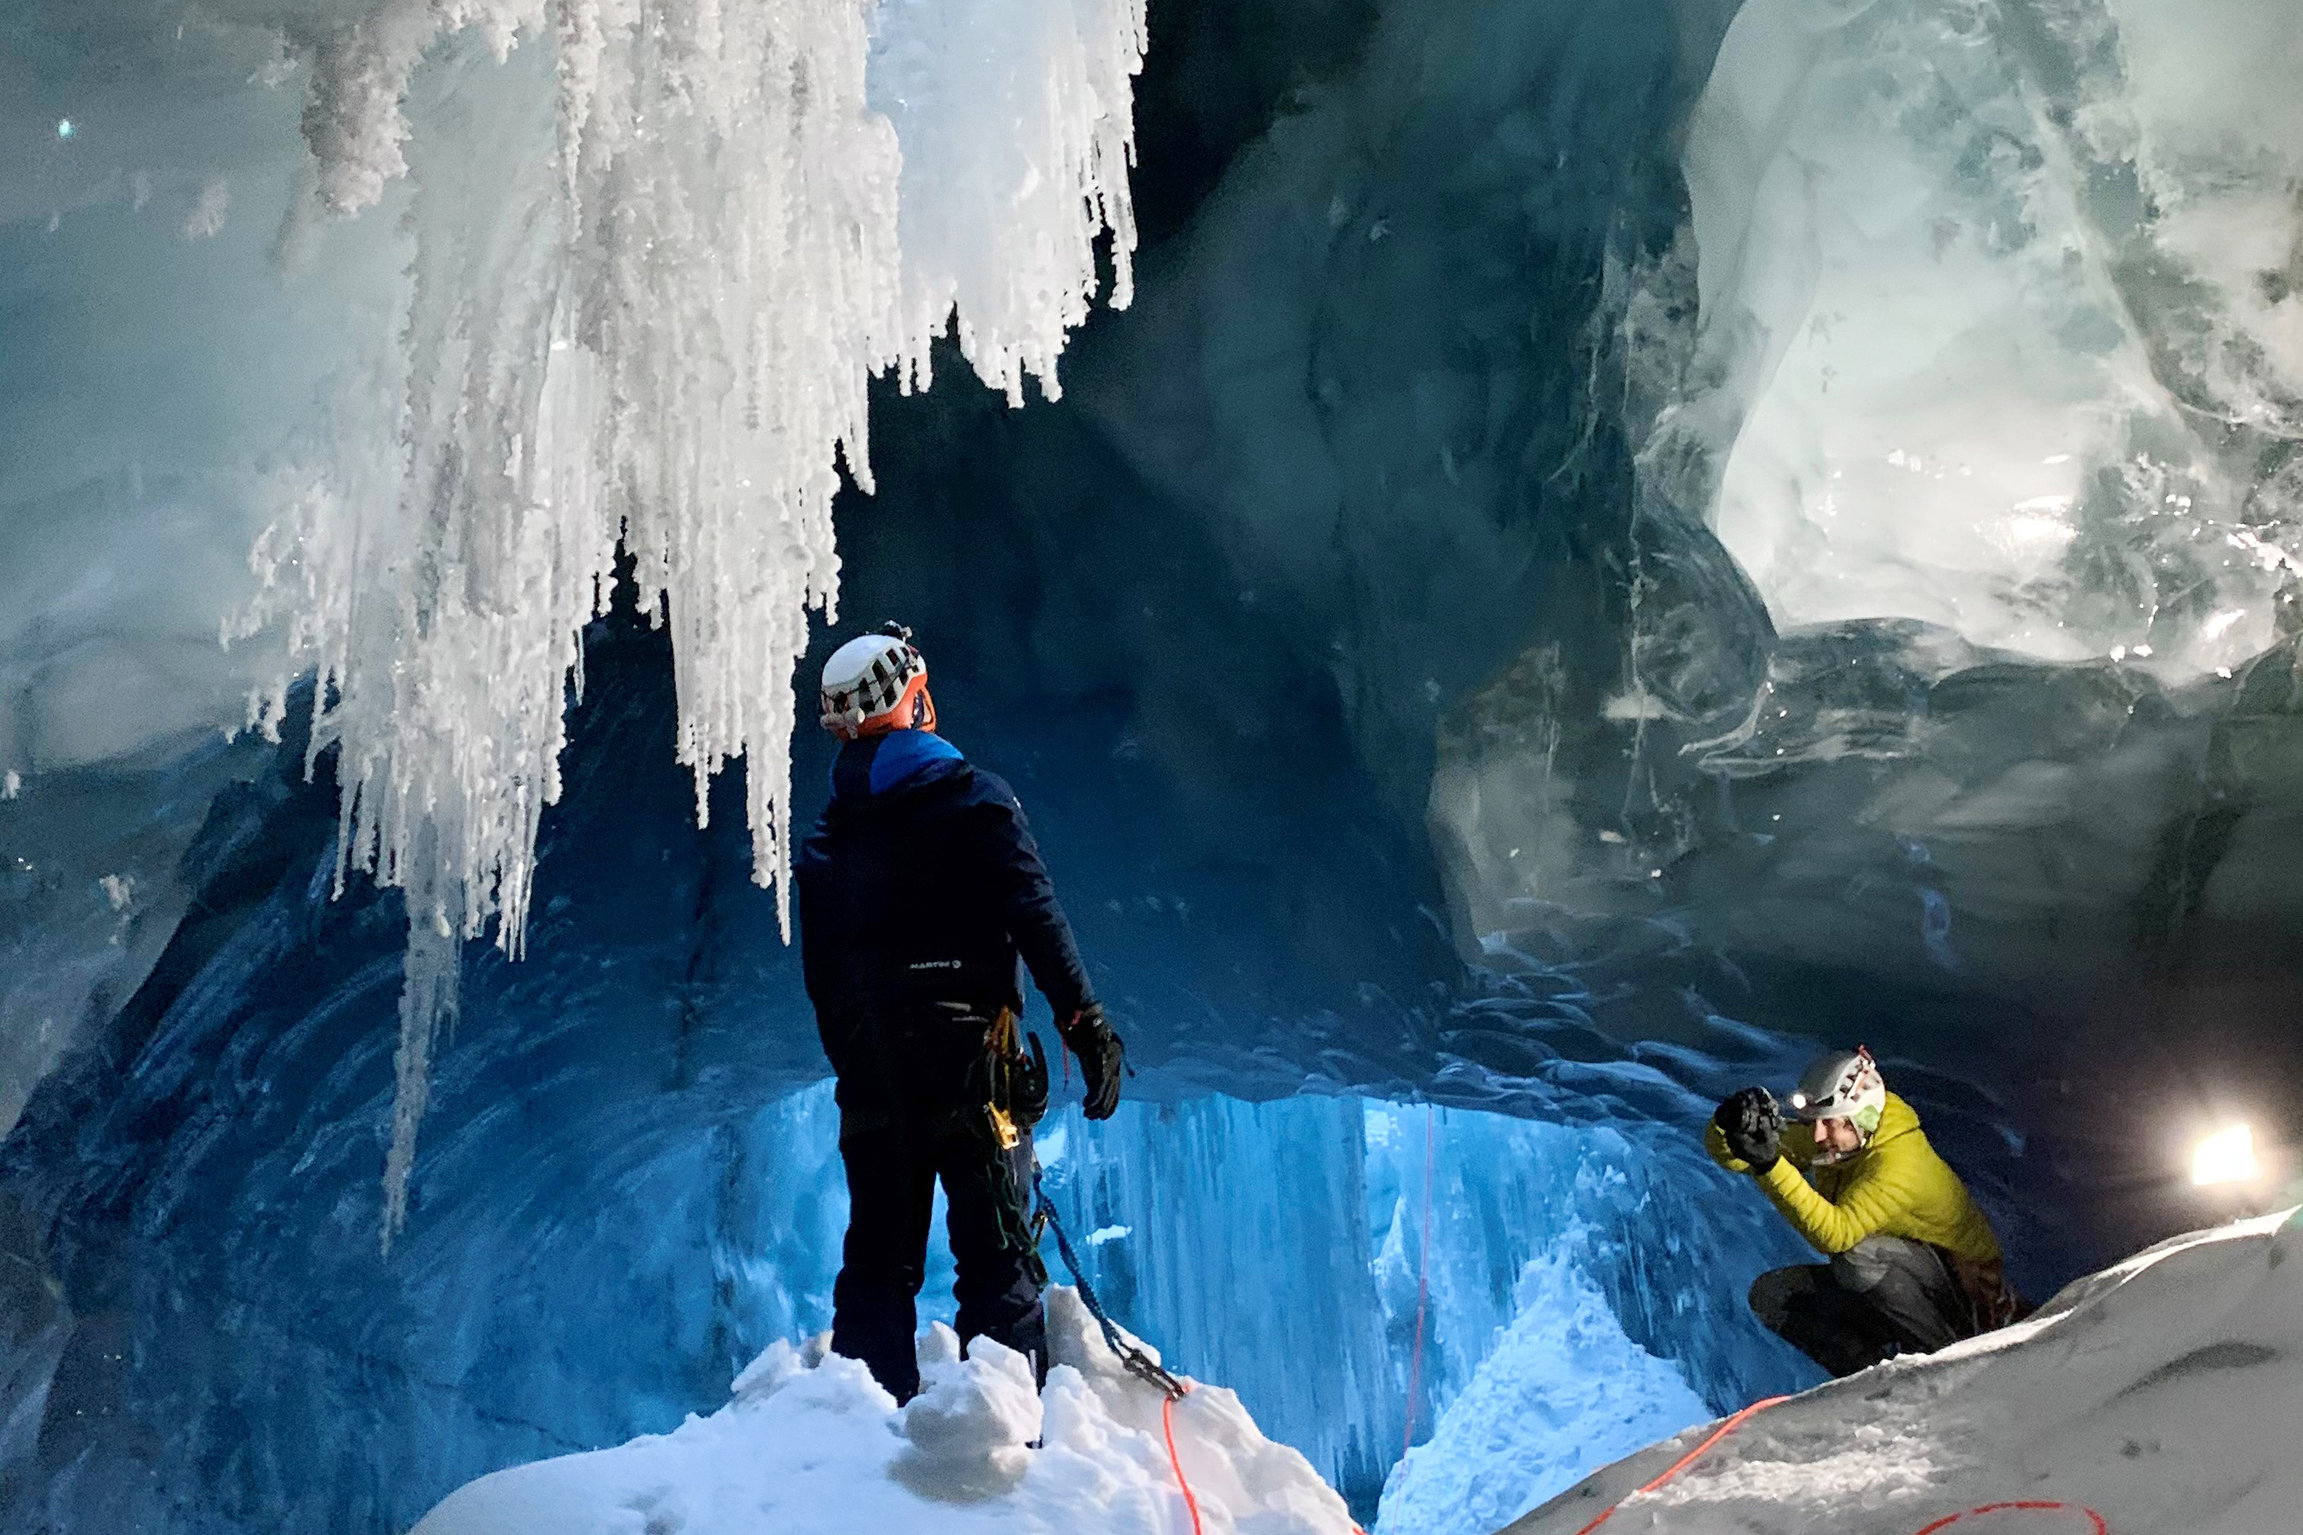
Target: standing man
{"x": 1914, "y": 1264}
{"x": 918, "y": 891}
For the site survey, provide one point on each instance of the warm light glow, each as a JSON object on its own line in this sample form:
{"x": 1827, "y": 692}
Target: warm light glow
{"x": 2227, "y": 1156}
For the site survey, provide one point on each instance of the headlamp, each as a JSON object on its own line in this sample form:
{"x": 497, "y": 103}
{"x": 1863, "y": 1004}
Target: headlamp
{"x": 2227, "y": 1156}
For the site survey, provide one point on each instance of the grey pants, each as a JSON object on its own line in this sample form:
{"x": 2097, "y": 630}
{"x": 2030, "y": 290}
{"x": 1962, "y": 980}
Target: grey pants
{"x": 1882, "y": 1297}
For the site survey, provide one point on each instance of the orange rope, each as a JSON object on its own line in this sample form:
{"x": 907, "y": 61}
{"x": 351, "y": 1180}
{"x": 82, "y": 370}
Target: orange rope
{"x": 2093, "y": 1518}
{"x": 1167, "y": 1421}
{"x": 1422, "y": 1285}
{"x": 1684, "y": 1461}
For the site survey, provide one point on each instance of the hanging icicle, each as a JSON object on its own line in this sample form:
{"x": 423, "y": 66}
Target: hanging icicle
{"x": 647, "y": 293}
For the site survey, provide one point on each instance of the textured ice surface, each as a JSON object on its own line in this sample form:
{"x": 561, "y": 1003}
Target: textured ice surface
{"x": 1998, "y": 299}
{"x": 1562, "y": 1392}
{"x": 622, "y": 1194}
{"x": 1278, "y": 1246}
{"x": 2159, "y": 1393}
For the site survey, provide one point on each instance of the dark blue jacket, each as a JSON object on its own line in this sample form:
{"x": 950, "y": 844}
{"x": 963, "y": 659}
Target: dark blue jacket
{"x": 918, "y": 889}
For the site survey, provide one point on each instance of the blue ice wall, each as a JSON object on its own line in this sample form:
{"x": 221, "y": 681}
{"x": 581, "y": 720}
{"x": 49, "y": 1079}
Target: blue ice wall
{"x": 619, "y": 1197}
{"x": 1278, "y": 1247}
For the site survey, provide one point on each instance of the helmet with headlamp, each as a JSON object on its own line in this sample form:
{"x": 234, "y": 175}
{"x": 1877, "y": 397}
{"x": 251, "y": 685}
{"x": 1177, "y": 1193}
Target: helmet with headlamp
{"x": 877, "y": 683}
{"x": 1845, "y": 1084}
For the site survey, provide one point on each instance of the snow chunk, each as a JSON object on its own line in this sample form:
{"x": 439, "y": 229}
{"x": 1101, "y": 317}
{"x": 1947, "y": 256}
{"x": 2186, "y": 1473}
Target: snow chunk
{"x": 816, "y": 1446}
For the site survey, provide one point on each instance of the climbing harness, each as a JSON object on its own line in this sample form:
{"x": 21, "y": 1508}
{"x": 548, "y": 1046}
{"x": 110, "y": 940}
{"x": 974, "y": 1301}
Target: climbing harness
{"x": 2094, "y": 1520}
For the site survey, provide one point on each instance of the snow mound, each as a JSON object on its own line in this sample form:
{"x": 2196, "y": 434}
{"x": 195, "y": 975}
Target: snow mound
{"x": 810, "y": 1445}
{"x": 2160, "y": 1393}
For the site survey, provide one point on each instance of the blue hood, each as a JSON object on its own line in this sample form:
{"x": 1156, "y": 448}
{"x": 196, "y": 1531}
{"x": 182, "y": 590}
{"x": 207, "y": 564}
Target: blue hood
{"x": 883, "y": 764}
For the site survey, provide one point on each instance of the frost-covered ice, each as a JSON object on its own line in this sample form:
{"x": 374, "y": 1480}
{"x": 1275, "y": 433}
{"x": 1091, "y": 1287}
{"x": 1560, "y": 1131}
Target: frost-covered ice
{"x": 810, "y": 1443}
{"x": 1563, "y": 1391}
{"x": 657, "y": 259}
{"x": 1997, "y": 301}
{"x": 2161, "y": 1393}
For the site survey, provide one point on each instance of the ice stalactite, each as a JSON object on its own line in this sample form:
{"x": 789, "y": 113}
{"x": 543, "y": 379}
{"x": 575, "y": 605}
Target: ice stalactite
{"x": 648, "y": 290}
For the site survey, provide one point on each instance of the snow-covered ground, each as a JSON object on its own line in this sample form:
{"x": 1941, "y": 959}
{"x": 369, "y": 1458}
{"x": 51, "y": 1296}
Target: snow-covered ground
{"x": 2159, "y": 1394}
{"x": 2162, "y": 1393}
{"x": 811, "y": 1445}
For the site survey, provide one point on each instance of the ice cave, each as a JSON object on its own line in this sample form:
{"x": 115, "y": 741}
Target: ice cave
{"x": 1535, "y": 564}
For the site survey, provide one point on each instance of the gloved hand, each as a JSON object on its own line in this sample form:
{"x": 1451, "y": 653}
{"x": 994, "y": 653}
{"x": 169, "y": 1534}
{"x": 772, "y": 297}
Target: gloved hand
{"x": 1102, "y": 1059}
{"x": 1752, "y": 1126}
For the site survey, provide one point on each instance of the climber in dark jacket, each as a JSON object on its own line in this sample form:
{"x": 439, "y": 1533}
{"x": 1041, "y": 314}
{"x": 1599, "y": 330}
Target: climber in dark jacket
{"x": 918, "y": 890}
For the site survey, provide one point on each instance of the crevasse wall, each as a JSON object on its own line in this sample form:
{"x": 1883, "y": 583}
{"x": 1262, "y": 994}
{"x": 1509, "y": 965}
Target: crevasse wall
{"x": 2001, "y": 294}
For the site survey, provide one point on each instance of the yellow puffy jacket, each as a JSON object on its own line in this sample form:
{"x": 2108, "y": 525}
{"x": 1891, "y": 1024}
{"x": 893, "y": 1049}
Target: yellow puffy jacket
{"x": 1895, "y": 1186}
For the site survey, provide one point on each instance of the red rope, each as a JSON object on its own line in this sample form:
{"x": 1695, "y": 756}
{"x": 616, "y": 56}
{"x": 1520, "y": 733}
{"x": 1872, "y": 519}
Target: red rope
{"x": 1684, "y": 1461}
{"x": 2094, "y": 1519}
{"x": 1422, "y": 1284}
{"x": 1167, "y": 1421}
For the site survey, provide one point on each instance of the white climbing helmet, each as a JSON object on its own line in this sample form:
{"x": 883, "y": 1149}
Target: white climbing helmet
{"x": 1845, "y": 1084}
{"x": 877, "y": 683}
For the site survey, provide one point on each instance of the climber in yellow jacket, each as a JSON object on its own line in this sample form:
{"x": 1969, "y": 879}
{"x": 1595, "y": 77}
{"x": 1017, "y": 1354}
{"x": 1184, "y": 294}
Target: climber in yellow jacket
{"x": 1914, "y": 1264}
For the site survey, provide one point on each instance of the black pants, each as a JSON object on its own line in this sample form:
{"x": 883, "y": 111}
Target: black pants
{"x": 893, "y": 1160}
{"x": 1884, "y": 1296}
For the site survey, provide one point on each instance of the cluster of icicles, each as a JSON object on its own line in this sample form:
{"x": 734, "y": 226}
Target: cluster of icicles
{"x": 659, "y": 246}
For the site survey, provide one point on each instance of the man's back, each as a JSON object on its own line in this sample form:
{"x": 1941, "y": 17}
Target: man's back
{"x": 918, "y": 889}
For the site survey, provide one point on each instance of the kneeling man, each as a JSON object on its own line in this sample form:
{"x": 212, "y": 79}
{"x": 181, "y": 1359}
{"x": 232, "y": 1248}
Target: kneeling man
{"x": 1913, "y": 1263}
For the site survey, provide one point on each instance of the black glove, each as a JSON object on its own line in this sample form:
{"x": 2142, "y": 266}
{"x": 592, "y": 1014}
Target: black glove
{"x": 1102, "y": 1059}
{"x": 1752, "y": 1126}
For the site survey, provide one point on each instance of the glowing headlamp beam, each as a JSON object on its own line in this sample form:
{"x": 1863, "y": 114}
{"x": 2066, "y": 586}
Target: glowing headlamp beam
{"x": 2227, "y": 1156}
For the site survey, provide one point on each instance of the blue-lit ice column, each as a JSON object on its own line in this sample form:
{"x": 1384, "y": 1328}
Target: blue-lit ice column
{"x": 1274, "y": 1247}
{"x": 1246, "y": 1257}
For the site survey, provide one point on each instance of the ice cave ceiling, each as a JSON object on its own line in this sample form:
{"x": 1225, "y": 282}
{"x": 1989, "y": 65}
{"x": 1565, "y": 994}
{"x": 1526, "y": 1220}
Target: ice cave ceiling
{"x": 1615, "y": 542}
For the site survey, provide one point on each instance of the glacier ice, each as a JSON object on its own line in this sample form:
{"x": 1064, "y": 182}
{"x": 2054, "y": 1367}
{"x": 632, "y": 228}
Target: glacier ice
{"x": 1355, "y": 548}
{"x": 1307, "y": 1210}
{"x": 1995, "y": 333}
{"x": 1562, "y": 1393}
{"x": 1540, "y": 1274}
{"x": 625, "y": 1191}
